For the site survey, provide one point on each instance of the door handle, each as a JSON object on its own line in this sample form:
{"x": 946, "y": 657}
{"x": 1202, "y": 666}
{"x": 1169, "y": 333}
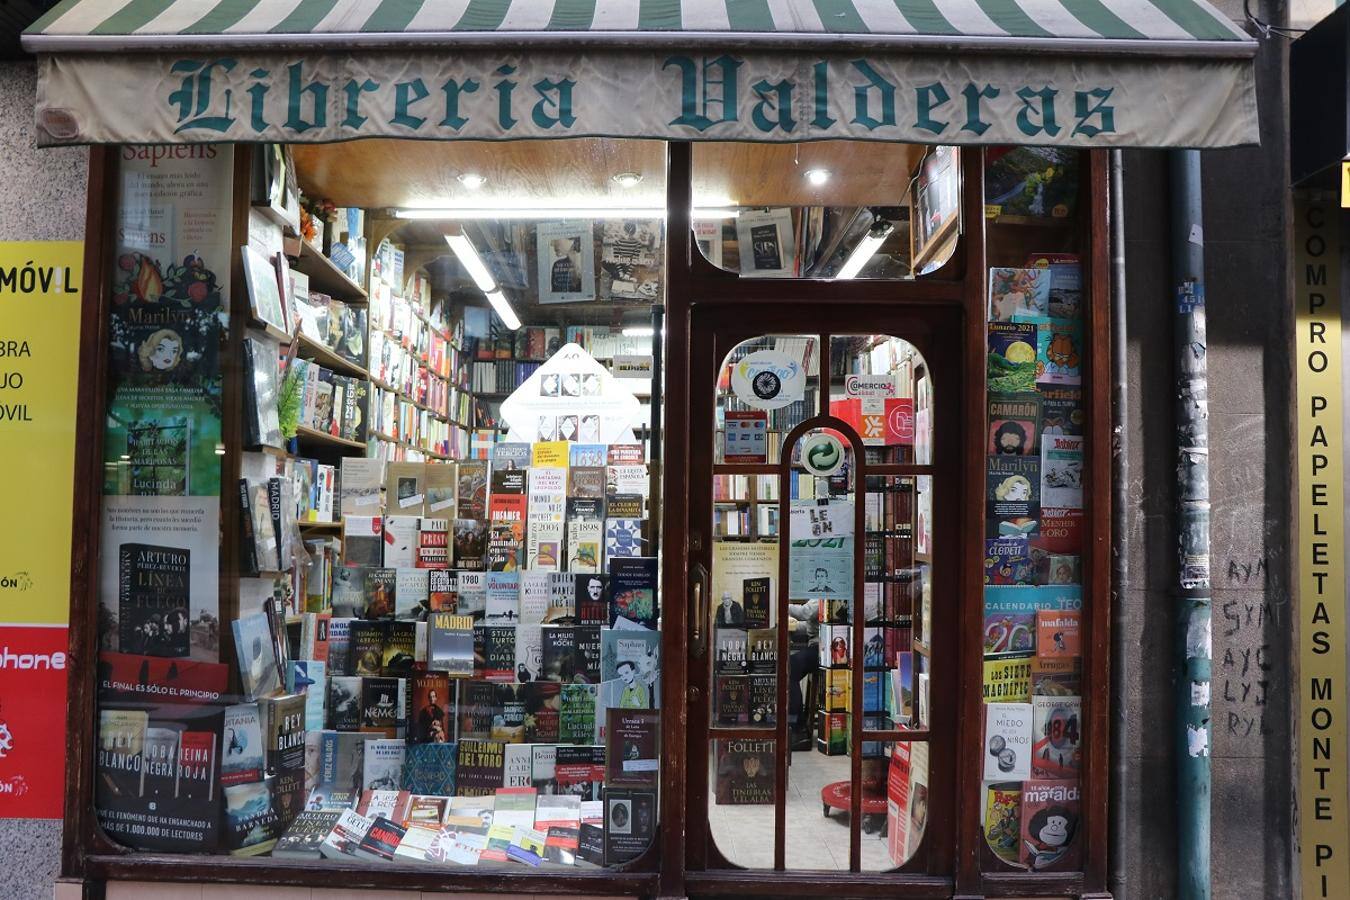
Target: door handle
{"x": 698, "y": 605}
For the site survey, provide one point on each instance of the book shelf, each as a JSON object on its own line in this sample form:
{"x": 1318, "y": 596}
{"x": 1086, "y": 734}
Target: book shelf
{"x": 324, "y": 275}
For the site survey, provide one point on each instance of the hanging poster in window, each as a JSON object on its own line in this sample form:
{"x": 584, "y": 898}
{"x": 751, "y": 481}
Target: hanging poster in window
{"x": 566, "y": 261}
{"x": 569, "y": 396}
{"x": 170, "y": 291}
{"x": 159, "y": 574}
{"x": 708, "y": 236}
{"x": 768, "y": 379}
{"x": 630, "y": 260}
{"x": 821, "y": 569}
{"x": 767, "y": 247}
{"x": 744, "y": 584}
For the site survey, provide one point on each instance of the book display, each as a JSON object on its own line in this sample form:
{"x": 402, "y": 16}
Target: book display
{"x": 445, "y": 644}
{"x": 1033, "y": 727}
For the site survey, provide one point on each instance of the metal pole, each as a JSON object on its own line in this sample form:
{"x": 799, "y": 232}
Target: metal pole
{"x": 1193, "y": 587}
{"x": 1120, "y": 563}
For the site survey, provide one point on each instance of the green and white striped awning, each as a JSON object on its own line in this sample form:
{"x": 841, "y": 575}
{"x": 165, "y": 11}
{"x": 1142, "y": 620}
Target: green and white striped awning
{"x": 1084, "y": 72}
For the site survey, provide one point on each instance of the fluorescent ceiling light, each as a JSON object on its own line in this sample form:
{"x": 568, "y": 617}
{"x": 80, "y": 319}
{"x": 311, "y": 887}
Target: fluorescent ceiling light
{"x": 627, "y": 179}
{"x": 504, "y": 310}
{"x": 472, "y": 262}
{"x": 865, "y": 249}
{"x": 472, "y": 180}
{"x": 817, "y": 176}
{"x": 639, "y": 331}
{"x": 467, "y": 213}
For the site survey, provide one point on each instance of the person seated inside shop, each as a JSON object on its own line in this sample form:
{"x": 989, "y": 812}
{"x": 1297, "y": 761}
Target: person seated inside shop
{"x": 804, "y": 632}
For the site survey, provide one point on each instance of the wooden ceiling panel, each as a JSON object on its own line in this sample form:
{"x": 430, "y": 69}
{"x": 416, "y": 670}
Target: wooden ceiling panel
{"x": 404, "y": 173}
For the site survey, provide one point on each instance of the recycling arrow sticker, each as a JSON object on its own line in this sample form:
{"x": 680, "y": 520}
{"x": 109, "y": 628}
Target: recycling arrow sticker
{"x": 822, "y": 454}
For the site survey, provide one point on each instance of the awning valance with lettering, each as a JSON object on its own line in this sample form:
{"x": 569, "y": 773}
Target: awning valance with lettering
{"x": 1087, "y": 73}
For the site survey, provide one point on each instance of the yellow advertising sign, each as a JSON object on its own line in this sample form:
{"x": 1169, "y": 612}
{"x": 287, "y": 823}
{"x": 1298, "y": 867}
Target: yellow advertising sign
{"x": 1324, "y": 824}
{"x": 39, "y": 366}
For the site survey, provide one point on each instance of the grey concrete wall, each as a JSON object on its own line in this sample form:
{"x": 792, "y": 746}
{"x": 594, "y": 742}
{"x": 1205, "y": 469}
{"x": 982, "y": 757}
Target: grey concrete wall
{"x": 42, "y": 200}
{"x": 1249, "y": 340}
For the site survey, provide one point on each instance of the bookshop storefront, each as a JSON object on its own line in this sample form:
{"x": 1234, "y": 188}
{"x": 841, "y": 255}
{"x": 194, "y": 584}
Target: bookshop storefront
{"x": 652, "y": 449}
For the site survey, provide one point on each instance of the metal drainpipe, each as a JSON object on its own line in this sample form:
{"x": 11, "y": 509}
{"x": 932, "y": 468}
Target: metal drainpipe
{"x": 1192, "y": 738}
{"x": 1120, "y": 561}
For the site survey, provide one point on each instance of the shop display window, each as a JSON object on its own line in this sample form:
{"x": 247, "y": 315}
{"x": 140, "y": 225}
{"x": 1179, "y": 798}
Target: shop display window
{"x": 380, "y": 560}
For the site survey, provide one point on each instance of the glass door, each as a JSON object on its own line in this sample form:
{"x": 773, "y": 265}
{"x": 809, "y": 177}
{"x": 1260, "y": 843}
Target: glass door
{"x": 824, "y": 596}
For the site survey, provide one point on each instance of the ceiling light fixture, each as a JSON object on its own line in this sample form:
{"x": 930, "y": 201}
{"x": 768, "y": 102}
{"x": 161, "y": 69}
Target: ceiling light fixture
{"x": 504, "y": 310}
{"x": 472, "y": 262}
{"x": 636, "y": 331}
{"x": 817, "y": 177}
{"x": 477, "y": 213}
{"x": 627, "y": 179}
{"x": 472, "y": 180}
{"x": 868, "y": 246}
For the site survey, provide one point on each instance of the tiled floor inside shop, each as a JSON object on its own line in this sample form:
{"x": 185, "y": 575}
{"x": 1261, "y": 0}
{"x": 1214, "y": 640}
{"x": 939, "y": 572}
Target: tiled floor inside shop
{"x": 745, "y": 834}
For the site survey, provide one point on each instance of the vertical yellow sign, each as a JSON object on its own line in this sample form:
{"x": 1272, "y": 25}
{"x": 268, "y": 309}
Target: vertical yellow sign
{"x": 39, "y": 367}
{"x": 1324, "y": 826}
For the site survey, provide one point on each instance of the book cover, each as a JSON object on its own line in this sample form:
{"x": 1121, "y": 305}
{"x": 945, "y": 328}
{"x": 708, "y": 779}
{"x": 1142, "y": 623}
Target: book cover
{"x": 471, "y": 537}
{"x": 1012, "y": 496}
{"x": 587, "y": 455}
{"x": 559, "y": 652}
{"x": 1003, "y": 820}
{"x": 306, "y": 834}
{"x": 1016, "y": 294}
{"x": 153, "y": 600}
{"x": 763, "y": 700}
{"x": 745, "y": 772}
{"x": 730, "y": 652}
{"x": 1061, "y": 409}
{"x": 346, "y": 836}
{"x": 285, "y": 733}
{"x": 589, "y": 649}
{"x": 762, "y": 651}
{"x": 361, "y": 481}
{"x": 1056, "y": 676}
{"x": 585, "y": 544}
{"x": 450, "y": 644}
{"x": 732, "y": 700}
{"x": 412, "y": 590}
{"x": 1056, "y": 750}
{"x": 631, "y": 659}
{"x": 252, "y": 825}
{"x": 503, "y": 598}
{"x": 632, "y": 590}
{"x": 382, "y": 767}
{"x": 755, "y": 601}
{"x": 381, "y": 840}
{"x": 1009, "y": 634}
{"x": 591, "y": 599}
{"x": 576, "y": 723}
{"x": 344, "y": 702}
{"x": 623, "y": 537}
{"x": 400, "y": 648}
{"x": 630, "y": 824}
{"x": 1012, "y": 360}
{"x": 1051, "y": 811}
{"x": 529, "y": 652}
{"x": 632, "y": 747}
{"x": 1059, "y": 351}
{"x": 1007, "y": 679}
{"x": 366, "y": 646}
{"x": 342, "y": 762}
{"x": 363, "y": 540}
{"x": 579, "y": 771}
{"x": 1008, "y": 560}
{"x": 536, "y": 594}
{"x": 404, "y": 493}
{"x": 472, "y": 492}
{"x": 479, "y": 767}
{"x": 1007, "y": 741}
{"x": 400, "y": 541}
{"x": 1058, "y": 634}
{"x": 543, "y": 710}
{"x": 432, "y": 702}
{"x": 517, "y": 762}
{"x": 256, "y": 652}
{"x": 1014, "y": 420}
{"x": 494, "y": 652}
{"x": 1062, "y": 471}
{"x": 381, "y": 705}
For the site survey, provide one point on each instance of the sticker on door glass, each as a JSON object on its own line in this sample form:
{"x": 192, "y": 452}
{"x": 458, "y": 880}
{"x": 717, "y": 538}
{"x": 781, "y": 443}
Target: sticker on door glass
{"x": 768, "y": 379}
{"x": 822, "y": 454}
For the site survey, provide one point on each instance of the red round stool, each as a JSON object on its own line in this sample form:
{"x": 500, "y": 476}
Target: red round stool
{"x": 839, "y": 795}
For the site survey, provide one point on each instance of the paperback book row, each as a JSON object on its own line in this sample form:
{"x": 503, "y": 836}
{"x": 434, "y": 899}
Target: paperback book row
{"x": 182, "y": 769}
{"x": 537, "y": 343}
{"x": 338, "y": 326}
